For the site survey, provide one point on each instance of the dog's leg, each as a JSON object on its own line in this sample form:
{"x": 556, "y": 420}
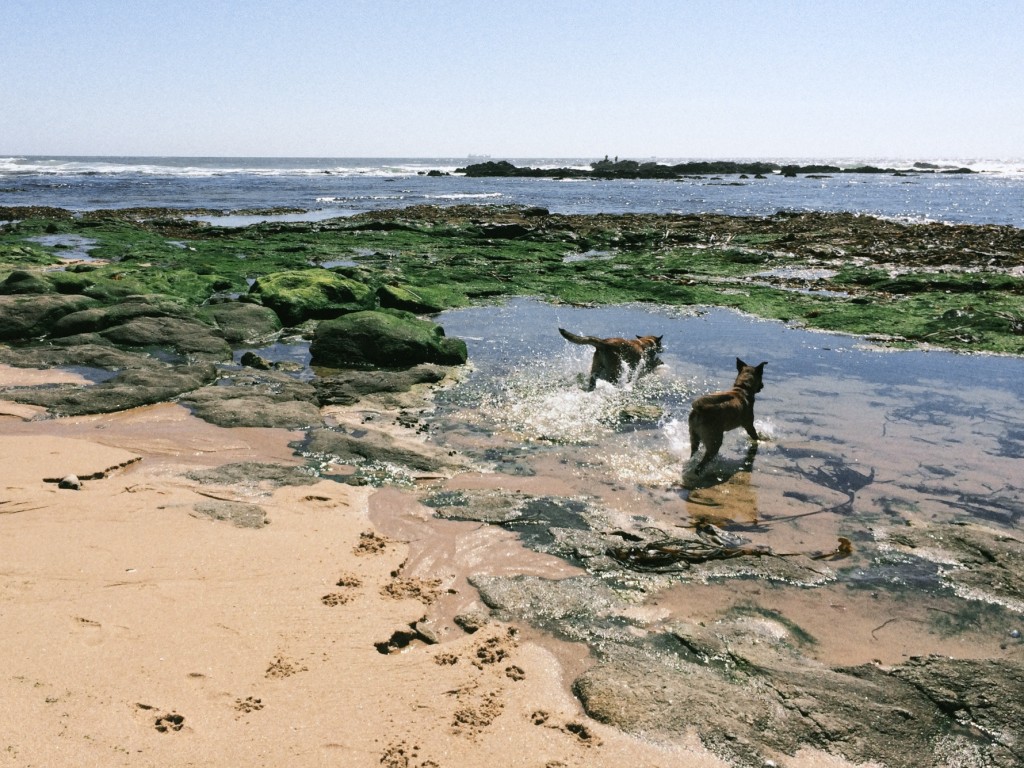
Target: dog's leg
{"x": 751, "y": 431}
{"x": 694, "y": 436}
{"x": 712, "y": 444}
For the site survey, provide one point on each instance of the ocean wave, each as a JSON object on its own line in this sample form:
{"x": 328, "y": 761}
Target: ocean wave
{"x": 465, "y": 196}
{"x": 220, "y": 166}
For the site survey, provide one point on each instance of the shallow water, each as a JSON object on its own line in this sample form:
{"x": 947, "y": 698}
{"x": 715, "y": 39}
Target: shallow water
{"x": 70, "y": 247}
{"x": 855, "y": 436}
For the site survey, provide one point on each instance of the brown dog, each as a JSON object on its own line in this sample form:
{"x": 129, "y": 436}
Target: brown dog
{"x": 715, "y": 414}
{"x": 610, "y": 355}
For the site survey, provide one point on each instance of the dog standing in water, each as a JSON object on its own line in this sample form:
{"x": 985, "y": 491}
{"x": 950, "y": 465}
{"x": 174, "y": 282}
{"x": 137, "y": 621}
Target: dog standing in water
{"x": 610, "y": 355}
{"x": 713, "y": 415}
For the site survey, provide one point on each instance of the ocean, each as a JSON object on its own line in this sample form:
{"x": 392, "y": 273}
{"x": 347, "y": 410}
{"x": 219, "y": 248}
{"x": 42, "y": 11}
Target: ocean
{"x": 319, "y": 188}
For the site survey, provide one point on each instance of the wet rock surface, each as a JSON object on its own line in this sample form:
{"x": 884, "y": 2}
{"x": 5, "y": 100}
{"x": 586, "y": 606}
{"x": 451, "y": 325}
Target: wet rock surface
{"x": 748, "y": 683}
{"x": 237, "y": 513}
{"x": 136, "y": 380}
{"x": 348, "y": 387}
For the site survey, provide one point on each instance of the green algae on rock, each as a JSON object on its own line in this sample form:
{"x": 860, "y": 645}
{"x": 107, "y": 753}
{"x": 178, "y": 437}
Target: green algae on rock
{"x": 383, "y": 339}
{"x": 960, "y": 287}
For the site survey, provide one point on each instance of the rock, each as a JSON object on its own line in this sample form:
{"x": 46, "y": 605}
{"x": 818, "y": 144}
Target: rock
{"x": 418, "y": 299}
{"x": 252, "y": 360}
{"x": 22, "y": 282}
{"x": 238, "y": 513}
{"x": 931, "y": 712}
{"x": 254, "y": 398}
{"x": 142, "y": 380}
{"x": 254, "y": 476}
{"x": 311, "y": 294}
{"x": 70, "y": 483}
{"x": 186, "y": 337}
{"x": 384, "y": 340}
{"x": 376, "y": 447}
{"x": 351, "y": 386}
{"x": 472, "y": 621}
{"x": 145, "y": 321}
{"x": 243, "y": 322}
{"x": 28, "y": 317}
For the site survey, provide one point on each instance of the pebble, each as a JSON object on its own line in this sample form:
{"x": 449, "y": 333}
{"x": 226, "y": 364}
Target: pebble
{"x": 1015, "y": 634}
{"x": 70, "y": 482}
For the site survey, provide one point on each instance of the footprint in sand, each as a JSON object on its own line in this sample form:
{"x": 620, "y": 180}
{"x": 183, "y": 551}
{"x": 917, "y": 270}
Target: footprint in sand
{"x": 400, "y": 755}
{"x": 168, "y": 722}
{"x": 349, "y": 585}
{"x": 281, "y": 667}
{"x": 424, "y": 590}
{"x": 90, "y": 631}
{"x": 581, "y": 732}
{"x": 371, "y": 543}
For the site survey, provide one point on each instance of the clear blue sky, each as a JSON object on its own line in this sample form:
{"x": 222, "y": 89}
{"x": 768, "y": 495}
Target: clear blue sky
{"x": 527, "y": 78}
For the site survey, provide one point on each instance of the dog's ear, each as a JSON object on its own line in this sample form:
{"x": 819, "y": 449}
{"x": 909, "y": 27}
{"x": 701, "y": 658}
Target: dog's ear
{"x": 659, "y": 338}
{"x": 740, "y": 365}
{"x": 760, "y": 368}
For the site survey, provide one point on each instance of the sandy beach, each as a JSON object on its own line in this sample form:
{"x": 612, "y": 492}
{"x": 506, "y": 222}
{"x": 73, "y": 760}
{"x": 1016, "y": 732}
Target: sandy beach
{"x": 143, "y": 632}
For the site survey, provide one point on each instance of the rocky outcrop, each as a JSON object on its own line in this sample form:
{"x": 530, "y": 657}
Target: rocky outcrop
{"x": 383, "y": 340}
{"x": 349, "y": 387}
{"x": 253, "y": 398}
{"x": 631, "y": 169}
{"x": 137, "y": 380}
{"x": 930, "y": 712}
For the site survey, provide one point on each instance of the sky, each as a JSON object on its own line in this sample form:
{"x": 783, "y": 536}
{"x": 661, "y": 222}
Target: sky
{"x": 637, "y": 79}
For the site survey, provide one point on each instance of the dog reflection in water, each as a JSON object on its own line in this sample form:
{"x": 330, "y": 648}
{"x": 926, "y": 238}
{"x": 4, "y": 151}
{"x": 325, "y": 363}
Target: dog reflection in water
{"x": 713, "y": 415}
{"x": 612, "y": 356}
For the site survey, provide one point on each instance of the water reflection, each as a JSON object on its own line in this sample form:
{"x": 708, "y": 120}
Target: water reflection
{"x": 854, "y": 433}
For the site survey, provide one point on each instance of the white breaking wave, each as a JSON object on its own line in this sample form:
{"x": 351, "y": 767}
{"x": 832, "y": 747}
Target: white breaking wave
{"x": 465, "y": 196}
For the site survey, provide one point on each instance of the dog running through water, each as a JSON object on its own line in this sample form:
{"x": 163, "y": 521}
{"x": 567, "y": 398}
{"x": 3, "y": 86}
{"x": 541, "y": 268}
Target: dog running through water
{"x": 610, "y": 355}
{"x": 713, "y": 415}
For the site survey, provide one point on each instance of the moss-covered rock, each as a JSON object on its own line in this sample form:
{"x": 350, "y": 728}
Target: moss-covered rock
{"x": 311, "y": 294}
{"x": 420, "y": 300}
{"x": 21, "y": 282}
{"x": 383, "y": 340}
{"x": 28, "y": 317}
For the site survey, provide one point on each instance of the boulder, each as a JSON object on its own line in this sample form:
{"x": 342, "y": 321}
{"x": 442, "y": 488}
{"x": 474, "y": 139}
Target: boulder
{"x": 242, "y": 322}
{"x": 383, "y": 340}
{"x": 186, "y": 337}
{"x": 22, "y": 282}
{"x": 311, "y": 294}
{"x": 28, "y": 317}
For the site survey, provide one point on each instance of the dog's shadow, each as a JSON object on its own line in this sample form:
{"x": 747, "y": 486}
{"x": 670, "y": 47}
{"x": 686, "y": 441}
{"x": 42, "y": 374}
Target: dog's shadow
{"x": 719, "y": 472}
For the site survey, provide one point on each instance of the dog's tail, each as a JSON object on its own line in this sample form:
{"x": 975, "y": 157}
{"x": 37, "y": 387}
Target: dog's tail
{"x": 591, "y": 340}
